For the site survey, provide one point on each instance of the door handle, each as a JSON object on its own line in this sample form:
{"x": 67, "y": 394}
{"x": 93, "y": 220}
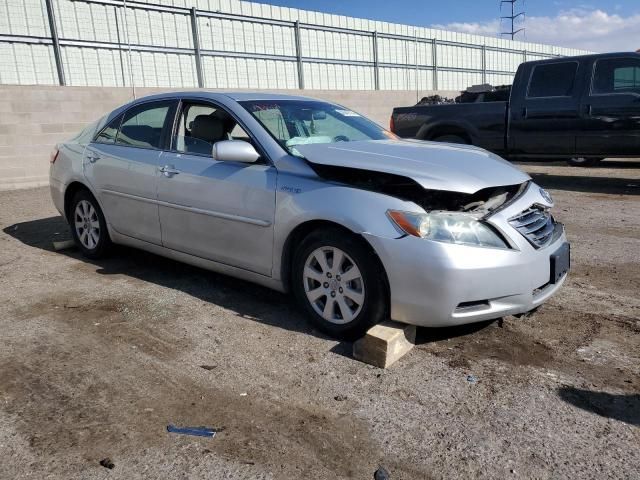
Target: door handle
{"x": 169, "y": 171}
{"x": 93, "y": 158}
{"x": 589, "y": 110}
{"x": 524, "y": 112}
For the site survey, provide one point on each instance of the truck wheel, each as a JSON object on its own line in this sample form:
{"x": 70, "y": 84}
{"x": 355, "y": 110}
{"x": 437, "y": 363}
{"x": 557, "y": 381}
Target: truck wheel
{"x": 338, "y": 284}
{"x": 452, "y": 139}
{"x": 583, "y": 162}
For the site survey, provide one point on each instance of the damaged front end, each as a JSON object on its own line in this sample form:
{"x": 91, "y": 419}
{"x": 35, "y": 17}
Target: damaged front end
{"x": 480, "y": 203}
{"x": 450, "y": 217}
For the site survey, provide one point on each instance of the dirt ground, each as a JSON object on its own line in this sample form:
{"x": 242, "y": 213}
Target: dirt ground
{"x": 97, "y": 358}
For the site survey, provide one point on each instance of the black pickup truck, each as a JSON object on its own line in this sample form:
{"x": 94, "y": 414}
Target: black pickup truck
{"x": 582, "y": 109}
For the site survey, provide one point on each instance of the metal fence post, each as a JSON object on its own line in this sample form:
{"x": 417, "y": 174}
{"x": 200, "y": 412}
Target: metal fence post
{"x": 434, "y": 61}
{"x": 56, "y": 42}
{"x": 376, "y": 67}
{"x": 196, "y": 46}
{"x": 116, "y": 13}
{"x": 484, "y": 64}
{"x": 524, "y": 55}
{"x": 296, "y": 32}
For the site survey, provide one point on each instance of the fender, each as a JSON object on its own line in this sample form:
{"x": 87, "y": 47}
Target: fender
{"x": 455, "y": 125}
{"x": 302, "y": 199}
{"x": 75, "y": 174}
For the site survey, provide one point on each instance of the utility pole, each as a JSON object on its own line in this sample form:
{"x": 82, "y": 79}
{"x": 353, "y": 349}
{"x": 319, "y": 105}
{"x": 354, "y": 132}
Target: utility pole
{"x": 513, "y": 17}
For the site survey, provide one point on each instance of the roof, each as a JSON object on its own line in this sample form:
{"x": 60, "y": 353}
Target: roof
{"x": 586, "y": 57}
{"x": 237, "y": 96}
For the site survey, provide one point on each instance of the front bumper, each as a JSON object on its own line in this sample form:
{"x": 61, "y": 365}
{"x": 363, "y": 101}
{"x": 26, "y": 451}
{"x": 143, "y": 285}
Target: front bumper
{"x": 436, "y": 284}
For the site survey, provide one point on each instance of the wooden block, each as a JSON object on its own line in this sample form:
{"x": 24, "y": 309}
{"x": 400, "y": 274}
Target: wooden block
{"x": 385, "y": 343}
{"x": 63, "y": 245}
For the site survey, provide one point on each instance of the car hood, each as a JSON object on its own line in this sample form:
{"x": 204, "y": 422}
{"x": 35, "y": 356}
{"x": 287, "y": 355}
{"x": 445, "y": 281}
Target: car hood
{"x": 435, "y": 166}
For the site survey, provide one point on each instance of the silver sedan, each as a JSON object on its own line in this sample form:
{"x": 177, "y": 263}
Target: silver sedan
{"x": 306, "y": 196}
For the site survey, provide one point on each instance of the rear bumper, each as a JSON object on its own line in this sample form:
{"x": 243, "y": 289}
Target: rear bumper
{"x": 57, "y": 194}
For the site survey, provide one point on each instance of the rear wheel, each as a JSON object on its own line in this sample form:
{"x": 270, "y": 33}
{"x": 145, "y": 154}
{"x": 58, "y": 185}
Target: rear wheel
{"x": 88, "y": 226}
{"x": 338, "y": 283}
{"x": 583, "y": 162}
{"x": 451, "y": 139}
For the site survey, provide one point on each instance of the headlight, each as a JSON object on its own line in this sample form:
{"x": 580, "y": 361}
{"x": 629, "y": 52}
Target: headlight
{"x": 448, "y": 227}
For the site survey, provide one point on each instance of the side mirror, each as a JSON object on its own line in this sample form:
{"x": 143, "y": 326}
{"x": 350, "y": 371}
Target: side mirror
{"x": 234, "y": 151}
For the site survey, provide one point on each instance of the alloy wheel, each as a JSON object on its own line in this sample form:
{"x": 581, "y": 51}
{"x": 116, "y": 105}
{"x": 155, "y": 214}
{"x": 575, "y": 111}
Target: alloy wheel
{"x": 333, "y": 285}
{"x": 87, "y": 224}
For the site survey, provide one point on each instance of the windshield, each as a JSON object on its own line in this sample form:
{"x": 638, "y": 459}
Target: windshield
{"x": 300, "y": 122}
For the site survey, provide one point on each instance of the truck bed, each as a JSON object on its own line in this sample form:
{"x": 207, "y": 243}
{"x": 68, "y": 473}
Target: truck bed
{"x": 481, "y": 124}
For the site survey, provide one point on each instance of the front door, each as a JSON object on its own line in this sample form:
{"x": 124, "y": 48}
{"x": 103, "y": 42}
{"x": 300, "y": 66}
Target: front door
{"x": 121, "y": 165}
{"x": 611, "y": 111}
{"x": 547, "y": 119}
{"x": 221, "y": 211}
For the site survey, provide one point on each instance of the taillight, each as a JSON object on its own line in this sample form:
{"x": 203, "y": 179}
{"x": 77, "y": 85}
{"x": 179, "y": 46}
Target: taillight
{"x": 392, "y": 124}
{"x": 54, "y": 155}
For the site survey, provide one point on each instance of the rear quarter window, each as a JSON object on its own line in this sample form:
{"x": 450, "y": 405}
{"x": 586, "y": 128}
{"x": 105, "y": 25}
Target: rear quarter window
{"x": 108, "y": 134}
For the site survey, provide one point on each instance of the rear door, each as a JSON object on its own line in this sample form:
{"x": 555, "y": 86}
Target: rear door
{"x": 611, "y": 109}
{"x": 218, "y": 210}
{"x": 121, "y": 164}
{"x": 545, "y": 120}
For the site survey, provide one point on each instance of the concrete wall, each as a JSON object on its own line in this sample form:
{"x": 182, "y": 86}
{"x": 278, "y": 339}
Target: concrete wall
{"x": 34, "y": 118}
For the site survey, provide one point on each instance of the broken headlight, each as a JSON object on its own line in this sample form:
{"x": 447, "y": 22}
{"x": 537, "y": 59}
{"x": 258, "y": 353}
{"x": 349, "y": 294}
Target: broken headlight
{"x": 448, "y": 227}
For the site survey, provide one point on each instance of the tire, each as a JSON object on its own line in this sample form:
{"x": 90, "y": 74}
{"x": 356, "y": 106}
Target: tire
{"x": 451, "y": 139}
{"x": 358, "y": 301}
{"x": 88, "y": 226}
{"x": 583, "y": 162}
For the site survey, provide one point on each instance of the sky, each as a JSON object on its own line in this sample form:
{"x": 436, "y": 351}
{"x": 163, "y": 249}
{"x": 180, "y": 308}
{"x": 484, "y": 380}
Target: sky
{"x": 599, "y": 26}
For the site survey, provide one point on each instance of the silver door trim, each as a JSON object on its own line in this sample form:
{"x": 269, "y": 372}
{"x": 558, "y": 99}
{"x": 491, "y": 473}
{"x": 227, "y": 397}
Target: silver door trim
{"x": 210, "y": 213}
{"x": 128, "y": 195}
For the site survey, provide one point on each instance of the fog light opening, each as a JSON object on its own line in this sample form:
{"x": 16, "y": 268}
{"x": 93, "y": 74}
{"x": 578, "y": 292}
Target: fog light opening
{"x": 464, "y": 307}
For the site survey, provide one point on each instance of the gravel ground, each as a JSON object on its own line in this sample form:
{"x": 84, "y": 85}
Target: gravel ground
{"x": 98, "y": 357}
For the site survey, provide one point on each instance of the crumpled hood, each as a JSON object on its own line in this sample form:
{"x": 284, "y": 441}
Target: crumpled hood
{"x": 435, "y": 166}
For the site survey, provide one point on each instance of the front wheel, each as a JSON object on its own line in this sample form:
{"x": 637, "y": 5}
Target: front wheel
{"x": 88, "y": 226}
{"x": 339, "y": 283}
{"x": 583, "y": 162}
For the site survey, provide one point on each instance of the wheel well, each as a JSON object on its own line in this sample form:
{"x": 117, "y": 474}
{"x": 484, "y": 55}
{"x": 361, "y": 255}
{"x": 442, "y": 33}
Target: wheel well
{"x": 447, "y": 130}
{"x": 301, "y": 231}
{"x": 70, "y": 192}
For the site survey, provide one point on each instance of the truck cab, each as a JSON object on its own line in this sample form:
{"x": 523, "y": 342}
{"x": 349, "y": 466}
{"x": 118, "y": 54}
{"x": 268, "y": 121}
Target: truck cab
{"x": 580, "y": 108}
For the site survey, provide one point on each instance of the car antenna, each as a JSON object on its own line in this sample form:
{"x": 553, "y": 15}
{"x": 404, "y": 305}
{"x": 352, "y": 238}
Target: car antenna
{"x": 126, "y": 27}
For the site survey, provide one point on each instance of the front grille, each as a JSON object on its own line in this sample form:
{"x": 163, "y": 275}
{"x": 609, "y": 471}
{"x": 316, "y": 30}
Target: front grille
{"x": 535, "y": 224}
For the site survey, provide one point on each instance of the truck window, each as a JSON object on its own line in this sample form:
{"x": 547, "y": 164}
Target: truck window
{"x": 616, "y": 75}
{"x": 552, "y": 80}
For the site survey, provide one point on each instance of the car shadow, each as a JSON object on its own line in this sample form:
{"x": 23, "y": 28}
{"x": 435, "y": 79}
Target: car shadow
{"x": 572, "y": 183}
{"x": 431, "y": 335}
{"x": 246, "y": 299}
{"x": 426, "y": 335}
{"x": 625, "y": 408}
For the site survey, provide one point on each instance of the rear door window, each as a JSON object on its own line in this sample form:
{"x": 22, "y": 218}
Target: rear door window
{"x": 142, "y": 126}
{"x": 616, "y": 75}
{"x": 552, "y": 80}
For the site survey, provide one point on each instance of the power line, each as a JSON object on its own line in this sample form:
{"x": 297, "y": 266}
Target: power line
{"x": 512, "y": 18}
